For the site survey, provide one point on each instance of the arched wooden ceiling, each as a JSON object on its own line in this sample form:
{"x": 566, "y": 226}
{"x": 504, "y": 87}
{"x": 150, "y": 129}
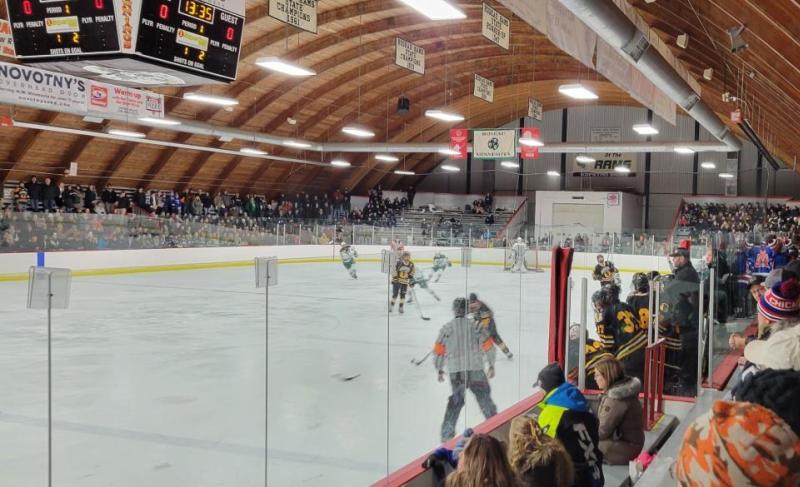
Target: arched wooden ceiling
{"x": 353, "y": 54}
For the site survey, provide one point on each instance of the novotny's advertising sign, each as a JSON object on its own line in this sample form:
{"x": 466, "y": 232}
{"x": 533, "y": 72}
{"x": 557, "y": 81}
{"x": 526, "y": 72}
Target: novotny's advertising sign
{"x": 37, "y": 88}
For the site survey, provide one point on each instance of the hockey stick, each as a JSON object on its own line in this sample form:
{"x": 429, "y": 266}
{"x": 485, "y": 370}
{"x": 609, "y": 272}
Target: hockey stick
{"x": 419, "y": 362}
{"x": 419, "y": 308}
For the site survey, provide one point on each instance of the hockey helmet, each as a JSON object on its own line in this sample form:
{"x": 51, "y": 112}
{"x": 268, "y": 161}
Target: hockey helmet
{"x": 405, "y": 254}
{"x": 473, "y": 297}
{"x": 519, "y": 240}
{"x": 606, "y": 296}
{"x": 459, "y": 307}
{"x": 640, "y": 283}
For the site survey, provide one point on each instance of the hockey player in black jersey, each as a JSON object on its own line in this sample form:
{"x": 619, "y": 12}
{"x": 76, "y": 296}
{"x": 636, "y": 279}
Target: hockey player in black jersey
{"x": 639, "y": 299}
{"x": 485, "y": 317}
{"x": 401, "y": 278}
{"x": 620, "y": 333}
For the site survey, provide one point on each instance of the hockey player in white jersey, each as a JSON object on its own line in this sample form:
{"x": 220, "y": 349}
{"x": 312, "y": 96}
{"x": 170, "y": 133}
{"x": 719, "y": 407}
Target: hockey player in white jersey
{"x": 518, "y": 255}
{"x": 440, "y": 263}
{"x": 348, "y": 254}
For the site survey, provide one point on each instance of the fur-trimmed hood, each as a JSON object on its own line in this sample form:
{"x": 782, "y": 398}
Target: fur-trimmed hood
{"x": 625, "y": 388}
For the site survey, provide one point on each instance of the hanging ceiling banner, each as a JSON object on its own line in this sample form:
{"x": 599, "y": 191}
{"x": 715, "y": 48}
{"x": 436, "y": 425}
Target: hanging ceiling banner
{"x": 298, "y": 13}
{"x": 459, "y": 143}
{"x": 484, "y": 88}
{"x": 409, "y": 56}
{"x": 528, "y": 152}
{"x": 494, "y": 144}
{"x": 495, "y": 26}
{"x": 535, "y": 109}
{"x": 104, "y": 98}
{"x": 6, "y": 40}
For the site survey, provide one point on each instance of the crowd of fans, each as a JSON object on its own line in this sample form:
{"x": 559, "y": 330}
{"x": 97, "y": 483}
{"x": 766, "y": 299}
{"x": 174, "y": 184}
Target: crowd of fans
{"x": 749, "y": 217}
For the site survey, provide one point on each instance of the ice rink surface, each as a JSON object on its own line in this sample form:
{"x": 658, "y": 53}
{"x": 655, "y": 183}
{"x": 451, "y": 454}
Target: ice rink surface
{"x": 159, "y": 378}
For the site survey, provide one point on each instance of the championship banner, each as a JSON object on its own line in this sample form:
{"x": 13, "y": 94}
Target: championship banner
{"x": 527, "y": 152}
{"x": 484, "y": 88}
{"x": 298, "y": 13}
{"x": 494, "y": 144}
{"x": 104, "y": 98}
{"x": 495, "y": 27}
{"x": 535, "y": 109}
{"x": 42, "y": 89}
{"x": 459, "y": 142}
{"x": 6, "y": 40}
{"x": 409, "y": 56}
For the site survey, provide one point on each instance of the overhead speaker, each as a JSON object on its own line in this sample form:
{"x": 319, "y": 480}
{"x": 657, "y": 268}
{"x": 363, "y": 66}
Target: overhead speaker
{"x": 737, "y": 42}
{"x": 683, "y": 41}
{"x": 403, "y": 105}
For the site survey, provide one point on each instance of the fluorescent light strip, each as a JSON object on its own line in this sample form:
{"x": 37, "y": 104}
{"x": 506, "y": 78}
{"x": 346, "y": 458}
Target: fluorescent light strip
{"x": 450, "y": 168}
{"x": 510, "y": 164}
{"x": 645, "y": 129}
{"x": 159, "y": 121}
{"x": 726, "y": 175}
{"x": 449, "y": 152}
{"x": 585, "y": 159}
{"x": 444, "y": 116}
{"x": 708, "y": 165}
{"x": 211, "y": 99}
{"x": 387, "y": 158}
{"x": 577, "y": 91}
{"x": 530, "y": 142}
{"x": 340, "y": 163}
{"x": 252, "y": 152}
{"x": 160, "y": 143}
{"x": 622, "y": 169}
{"x": 683, "y": 150}
{"x": 358, "y": 131}
{"x": 553, "y": 173}
{"x": 127, "y": 133}
{"x": 404, "y": 173}
{"x": 296, "y": 144}
{"x": 284, "y": 67}
{"x": 435, "y": 9}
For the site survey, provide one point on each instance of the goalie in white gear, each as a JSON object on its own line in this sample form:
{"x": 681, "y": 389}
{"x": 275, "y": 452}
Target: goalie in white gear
{"x": 440, "y": 263}
{"x": 348, "y": 254}
{"x": 518, "y": 255}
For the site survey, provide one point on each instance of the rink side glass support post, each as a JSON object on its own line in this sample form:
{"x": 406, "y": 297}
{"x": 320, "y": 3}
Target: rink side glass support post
{"x": 466, "y": 256}
{"x": 582, "y": 336}
{"x": 570, "y": 285}
{"x": 373, "y": 235}
{"x": 712, "y": 295}
{"x": 701, "y": 320}
{"x": 49, "y": 288}
{"x": 266, "y": 277}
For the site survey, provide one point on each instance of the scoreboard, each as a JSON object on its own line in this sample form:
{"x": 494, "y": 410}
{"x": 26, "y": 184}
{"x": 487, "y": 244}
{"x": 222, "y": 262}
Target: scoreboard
{"x": 195, "y": 40}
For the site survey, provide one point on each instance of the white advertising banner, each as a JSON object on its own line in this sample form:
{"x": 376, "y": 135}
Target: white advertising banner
{"x": 104, "y": 98}
{"x": 6, "y": 40}
{"x": 484, "y": 88}
{"x": 535, "y": 109}
{"x": 495, "y": 27}
{"x": 605, "y": 164}
{"x": 409, "y": 56}
{"x": 42, "y": 89}
{"x": 494, "y": 144}
{"x": 298, "y": 13}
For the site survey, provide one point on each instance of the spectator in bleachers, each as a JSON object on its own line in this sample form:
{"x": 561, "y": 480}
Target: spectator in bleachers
{"x": 537, "y": 459}
{"x": 411, "y": 194}
{"x": 109, "y": 199}
{"x": 483, "y": 463}
{"x": 90, "y": 199}
{"x": 35, "y": 193}
{"x": 621, "y": 429}
{"x": 775, "y": 389}
{"x": 564, "y": 414}
{"x": 21, "y": 197}
{"x": 49, "y": 195}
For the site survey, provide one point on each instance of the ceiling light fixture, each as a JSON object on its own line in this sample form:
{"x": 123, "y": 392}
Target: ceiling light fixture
{"x": 444, "y": 116}
{"x": 340, "y": 163}
{"x": 252, "y": 151}
{"x": 510, "y": 164}
{"x": 386, "y": 158}
{"x": 160, "y": 121}
{"x": 583, "y": 159}
{"x": 683, "y": 150}
{"x": 449, "y": 152}
{"x": 708, "y": 165}
{"x": 284, "y": 67}
{"x": 404, "y": 173}
{"x": 622, "y": 169}
{"x": 645, "y": 129}
{"x": 435, "y": 9}
{"x": 211, "y": 99}
{"x": 531, "y": 142}
{"x": 296, "y": 144}
{"x": 358, "y": 131}
{"x": 726, "y": 175}
{"x": 127, "y": 133}
{"x": 553, "y": 173}
{"x": 451, "y": 168}
{"x": 577, "y": 91}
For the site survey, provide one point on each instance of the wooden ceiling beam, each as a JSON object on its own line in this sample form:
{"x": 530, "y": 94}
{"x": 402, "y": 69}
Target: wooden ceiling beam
{"x": 25, "y": 143}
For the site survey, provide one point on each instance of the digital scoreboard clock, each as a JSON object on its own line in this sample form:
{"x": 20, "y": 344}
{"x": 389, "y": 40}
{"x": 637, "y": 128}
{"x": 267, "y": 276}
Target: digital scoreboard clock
{"x": 132, "y": 42}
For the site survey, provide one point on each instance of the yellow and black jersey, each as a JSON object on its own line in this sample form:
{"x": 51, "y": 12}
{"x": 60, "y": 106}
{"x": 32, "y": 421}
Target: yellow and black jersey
{"x": 484, "y": 316}
{"x": 620, "y": 331}
{"x": 403, "y": 273}
{"x": 640, "y": 303}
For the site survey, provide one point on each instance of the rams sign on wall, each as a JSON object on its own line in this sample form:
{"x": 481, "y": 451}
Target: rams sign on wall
{"x": 605, "y": 165}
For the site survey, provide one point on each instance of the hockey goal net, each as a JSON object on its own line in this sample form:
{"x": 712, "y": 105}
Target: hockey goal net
{"x": 530, "y": 260}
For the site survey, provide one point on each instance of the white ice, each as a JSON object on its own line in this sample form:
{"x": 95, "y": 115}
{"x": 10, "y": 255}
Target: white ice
{"x": 159, "y": 378}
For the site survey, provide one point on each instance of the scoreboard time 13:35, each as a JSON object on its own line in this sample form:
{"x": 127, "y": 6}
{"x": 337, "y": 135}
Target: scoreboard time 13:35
{"x": 191, "y": 34}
